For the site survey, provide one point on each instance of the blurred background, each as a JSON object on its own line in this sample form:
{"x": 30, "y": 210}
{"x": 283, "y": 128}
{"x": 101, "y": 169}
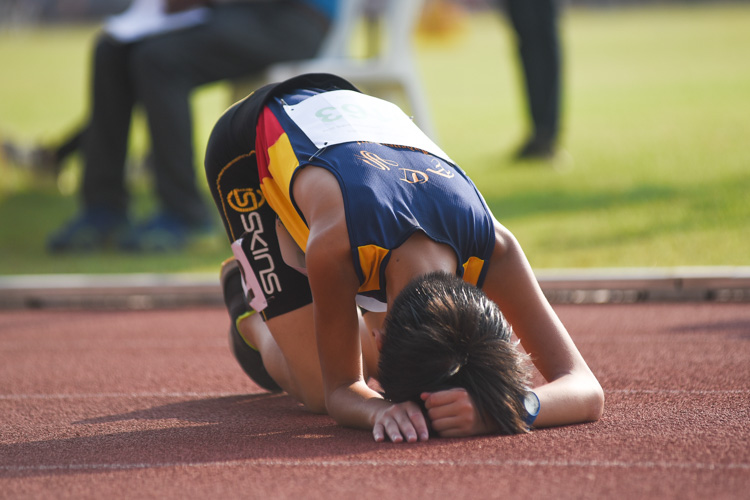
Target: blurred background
{"x": 651, "y": 167}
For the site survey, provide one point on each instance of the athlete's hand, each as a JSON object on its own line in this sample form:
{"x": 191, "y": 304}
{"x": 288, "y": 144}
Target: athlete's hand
{"x": 453, "y": 414}
{"x": 399, "y": 422}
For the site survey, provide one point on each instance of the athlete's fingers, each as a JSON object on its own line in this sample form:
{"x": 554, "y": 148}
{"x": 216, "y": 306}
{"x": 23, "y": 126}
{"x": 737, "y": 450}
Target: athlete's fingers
{"x": 393, "y": 431}
{"x": 447, "y": 403}
{"x": 449, "y": 422}
{"x": 419, "y": 422}
{"x": 453, "y": 432}
{"x": 387, "y": 424}
{"x": 378, "y": 433}
{"x": 402, "y": 421}
{"x": 408, "y": 417}
{"x": 441, "y": 398}
{"x": 452, "y": 413}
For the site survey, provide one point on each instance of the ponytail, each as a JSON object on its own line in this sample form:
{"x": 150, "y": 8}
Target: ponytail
{"x": 442, "y": 333}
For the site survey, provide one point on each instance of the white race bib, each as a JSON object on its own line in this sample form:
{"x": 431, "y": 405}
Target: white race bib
{"x": 346, "y": 116}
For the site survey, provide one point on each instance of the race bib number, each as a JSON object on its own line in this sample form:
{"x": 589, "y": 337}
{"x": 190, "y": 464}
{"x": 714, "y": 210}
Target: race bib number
{"x": 347, "y": 116}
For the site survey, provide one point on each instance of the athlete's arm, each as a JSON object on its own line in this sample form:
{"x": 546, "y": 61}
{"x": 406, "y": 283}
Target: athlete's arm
{"x": 572, "y": 393}
{"x": 349, "y": 400}
{"x": 333, "y": 282}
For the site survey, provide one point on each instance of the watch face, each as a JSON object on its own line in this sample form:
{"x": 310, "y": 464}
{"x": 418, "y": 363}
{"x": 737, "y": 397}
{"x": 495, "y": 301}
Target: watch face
{"x": 531, "y": 403}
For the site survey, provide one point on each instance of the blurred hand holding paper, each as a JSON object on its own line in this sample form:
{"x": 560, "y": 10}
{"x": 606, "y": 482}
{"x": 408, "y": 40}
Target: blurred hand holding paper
{"x": 149, "y": 17}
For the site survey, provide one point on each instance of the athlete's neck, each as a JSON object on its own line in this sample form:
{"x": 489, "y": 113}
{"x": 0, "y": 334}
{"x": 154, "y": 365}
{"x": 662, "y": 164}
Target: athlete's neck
{"x": 417, "y": 256}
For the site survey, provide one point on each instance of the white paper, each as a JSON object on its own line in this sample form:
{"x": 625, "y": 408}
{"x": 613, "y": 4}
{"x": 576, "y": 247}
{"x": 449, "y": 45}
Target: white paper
{"x": 148, "y": 17}
{"x": 346, "y": 116}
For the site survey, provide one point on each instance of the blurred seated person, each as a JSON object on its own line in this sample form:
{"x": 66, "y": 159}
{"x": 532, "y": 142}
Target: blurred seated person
{"x": 157, "y": 65}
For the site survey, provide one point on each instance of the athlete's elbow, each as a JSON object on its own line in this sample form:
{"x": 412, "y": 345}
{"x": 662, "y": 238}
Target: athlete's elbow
{"x": 595, "y": 403}
{"x": 343, "y": 409}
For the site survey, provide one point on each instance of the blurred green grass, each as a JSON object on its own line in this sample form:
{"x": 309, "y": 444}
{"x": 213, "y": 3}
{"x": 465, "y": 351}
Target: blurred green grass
{"x": 656, "y": 169}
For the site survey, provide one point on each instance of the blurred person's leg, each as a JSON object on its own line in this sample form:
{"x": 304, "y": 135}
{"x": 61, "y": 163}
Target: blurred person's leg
{"x": 105, "y": 143}
{"x": 536, "y": 25}
{"x": 237, "y": 40}
{"x": 103, "y": 216}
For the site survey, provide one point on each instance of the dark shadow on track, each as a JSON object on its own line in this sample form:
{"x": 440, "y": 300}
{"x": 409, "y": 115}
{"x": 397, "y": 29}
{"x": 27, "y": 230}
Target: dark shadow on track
{"x": 203, "y": 431}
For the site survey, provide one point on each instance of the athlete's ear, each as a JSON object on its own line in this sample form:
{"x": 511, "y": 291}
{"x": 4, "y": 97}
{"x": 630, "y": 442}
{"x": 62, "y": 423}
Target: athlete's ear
{"x": 378, "y": 334}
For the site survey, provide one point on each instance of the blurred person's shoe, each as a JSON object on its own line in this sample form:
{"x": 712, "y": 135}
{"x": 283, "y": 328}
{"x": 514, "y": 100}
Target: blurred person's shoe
{"x": 536, "y": 149}
{"x": 94, "y": 229}
{"x": 248, "y": 356}
{"x": 163, "y": 232}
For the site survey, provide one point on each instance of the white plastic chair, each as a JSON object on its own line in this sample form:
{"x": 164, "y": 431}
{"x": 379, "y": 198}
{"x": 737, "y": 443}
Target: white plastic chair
{"x": 390, "y": 72}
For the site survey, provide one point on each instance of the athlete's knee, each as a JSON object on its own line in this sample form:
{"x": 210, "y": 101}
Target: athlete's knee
{"x": 315, "y": 403}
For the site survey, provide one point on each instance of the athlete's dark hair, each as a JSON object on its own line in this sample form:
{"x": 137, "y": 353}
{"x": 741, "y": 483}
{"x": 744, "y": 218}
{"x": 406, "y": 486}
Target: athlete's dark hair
{"x": 442, "y": 332}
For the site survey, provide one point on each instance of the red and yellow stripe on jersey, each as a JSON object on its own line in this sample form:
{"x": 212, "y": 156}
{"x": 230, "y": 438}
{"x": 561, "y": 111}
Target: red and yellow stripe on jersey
{"x": 277, "y": 162}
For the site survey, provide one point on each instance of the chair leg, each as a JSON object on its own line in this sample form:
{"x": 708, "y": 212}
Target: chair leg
{"x": 419, "y": 106}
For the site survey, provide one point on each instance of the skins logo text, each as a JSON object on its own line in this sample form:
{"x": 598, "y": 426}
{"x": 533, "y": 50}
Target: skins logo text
{"x": 246, "y": 199}
{"x": 257, "y": 248}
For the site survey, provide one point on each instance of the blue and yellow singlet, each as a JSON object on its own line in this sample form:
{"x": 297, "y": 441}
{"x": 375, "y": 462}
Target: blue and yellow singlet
{"x": 389, "y": 192}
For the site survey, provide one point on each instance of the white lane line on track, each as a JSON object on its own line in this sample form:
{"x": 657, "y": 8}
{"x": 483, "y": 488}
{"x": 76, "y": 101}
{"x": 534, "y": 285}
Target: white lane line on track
{"x": 605, "y": 464}
{"x": 115, "y": 395}
{"x": 168, "y": 395}
{"x": 699, "y": 392}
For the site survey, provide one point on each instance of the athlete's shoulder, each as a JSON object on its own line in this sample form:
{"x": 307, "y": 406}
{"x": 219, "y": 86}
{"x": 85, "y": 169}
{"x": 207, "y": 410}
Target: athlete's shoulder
{"x": 316, "y": 189}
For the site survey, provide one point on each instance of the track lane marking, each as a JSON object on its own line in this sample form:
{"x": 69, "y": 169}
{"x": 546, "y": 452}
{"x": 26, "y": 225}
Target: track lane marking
{"x": 611, "y": 464}
{"x": 170, "y": 395}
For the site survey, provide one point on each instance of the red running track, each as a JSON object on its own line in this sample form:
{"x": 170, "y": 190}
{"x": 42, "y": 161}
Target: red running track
{"x": 151, "y": 405}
